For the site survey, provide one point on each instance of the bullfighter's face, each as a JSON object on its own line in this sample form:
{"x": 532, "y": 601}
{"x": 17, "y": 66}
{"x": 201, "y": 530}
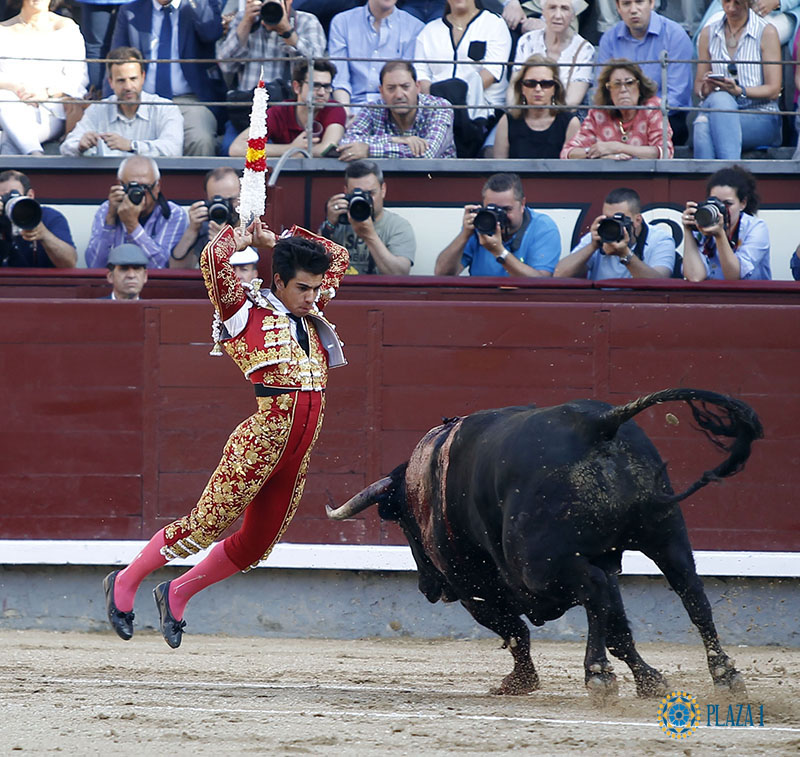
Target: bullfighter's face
{"x": 299, "y": 293}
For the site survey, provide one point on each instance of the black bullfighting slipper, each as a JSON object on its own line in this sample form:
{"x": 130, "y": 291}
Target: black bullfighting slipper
{"x": 121, "y": 622}
{"x": 171, "y": 629}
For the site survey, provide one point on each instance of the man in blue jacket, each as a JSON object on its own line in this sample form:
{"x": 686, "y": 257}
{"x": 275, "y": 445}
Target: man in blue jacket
{"x": 185, "y": 29}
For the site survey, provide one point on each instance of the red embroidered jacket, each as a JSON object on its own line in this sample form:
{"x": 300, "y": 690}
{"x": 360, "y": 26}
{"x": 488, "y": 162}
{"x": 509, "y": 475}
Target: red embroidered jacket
{"x": 257, "y": 336}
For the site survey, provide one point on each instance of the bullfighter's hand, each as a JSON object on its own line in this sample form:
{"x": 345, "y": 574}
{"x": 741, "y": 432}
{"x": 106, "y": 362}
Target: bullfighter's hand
{"x": 263, "y": 238}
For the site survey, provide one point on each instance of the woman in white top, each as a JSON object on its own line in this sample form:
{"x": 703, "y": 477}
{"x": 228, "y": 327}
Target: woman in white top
{"x": 560, "y": 43}
{"x": 475, "y": 45}
{"x": 35, "y": 32}
{"x": 739, "y": 35}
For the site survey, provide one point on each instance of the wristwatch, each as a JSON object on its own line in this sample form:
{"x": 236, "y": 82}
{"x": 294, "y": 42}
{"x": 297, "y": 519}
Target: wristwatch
{"x": 501, "y": 258}
{"x": 626, "y": 261}
{"x": 287, "y": 34}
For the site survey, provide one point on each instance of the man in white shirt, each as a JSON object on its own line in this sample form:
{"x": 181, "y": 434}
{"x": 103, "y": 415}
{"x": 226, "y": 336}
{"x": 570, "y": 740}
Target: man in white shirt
{"x": 130, "y": 121}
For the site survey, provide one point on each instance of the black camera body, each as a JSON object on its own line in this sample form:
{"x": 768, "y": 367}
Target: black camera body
{"x": 359, "y": 206}
{"x": 271, "y": 12}
{"x": 23, "y": 212}
{"x": 220, "y": 210}
{"x": 613, "y": 228}
{"x": 711, "y": 212}
{"x": 487, "y": 218}
{"x": 135, "y": 192}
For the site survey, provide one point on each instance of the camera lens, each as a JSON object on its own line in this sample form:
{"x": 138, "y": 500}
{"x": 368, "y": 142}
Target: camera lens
{"x": 219, "y": 211}
{"x": 271, "y": 13}
{"x": 135, "y": 193}
{"x": 24, "y": 212}
{"x": 360, "y": 209}
{"x": 485, "y": 221}
{"x": 706, "y": 215}
{"x": 610, "y": 230}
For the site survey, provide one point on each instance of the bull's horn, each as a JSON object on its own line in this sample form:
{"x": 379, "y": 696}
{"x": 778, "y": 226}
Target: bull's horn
{"x": 361, "y": 501}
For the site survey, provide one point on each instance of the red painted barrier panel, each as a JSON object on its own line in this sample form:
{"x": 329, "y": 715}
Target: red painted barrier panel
{"x": 114, "y": 414}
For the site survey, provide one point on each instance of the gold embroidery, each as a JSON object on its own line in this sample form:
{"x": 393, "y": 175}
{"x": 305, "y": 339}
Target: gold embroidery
{"x": 250, "y": 455}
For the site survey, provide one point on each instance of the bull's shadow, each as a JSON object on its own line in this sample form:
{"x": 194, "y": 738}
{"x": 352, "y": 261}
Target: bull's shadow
{"x": 526, "y": 511}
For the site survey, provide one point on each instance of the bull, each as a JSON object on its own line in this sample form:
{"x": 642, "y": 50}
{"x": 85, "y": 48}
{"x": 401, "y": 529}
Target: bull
{"x": 525, "y": 511}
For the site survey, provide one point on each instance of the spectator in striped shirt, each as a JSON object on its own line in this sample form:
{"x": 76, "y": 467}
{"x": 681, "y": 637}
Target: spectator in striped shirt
{"x": 408, "y": 128}
{"x": 136, "y": 213}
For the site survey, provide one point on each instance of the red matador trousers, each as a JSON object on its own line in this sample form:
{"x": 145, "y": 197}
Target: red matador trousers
{"x": 262, "y": 473}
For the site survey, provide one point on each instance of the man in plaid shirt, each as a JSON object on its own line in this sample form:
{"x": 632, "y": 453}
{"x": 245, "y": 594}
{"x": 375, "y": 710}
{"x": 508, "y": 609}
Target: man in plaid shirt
{"x": 296, "y": 35}
{"x": 404, "y": 129}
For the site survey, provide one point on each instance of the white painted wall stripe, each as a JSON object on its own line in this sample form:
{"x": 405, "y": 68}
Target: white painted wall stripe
{"x": 368, "y": 557}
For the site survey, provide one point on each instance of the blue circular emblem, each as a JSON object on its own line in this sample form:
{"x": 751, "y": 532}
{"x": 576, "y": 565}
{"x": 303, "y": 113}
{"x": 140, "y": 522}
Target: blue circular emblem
{"x": 678, "y": 714}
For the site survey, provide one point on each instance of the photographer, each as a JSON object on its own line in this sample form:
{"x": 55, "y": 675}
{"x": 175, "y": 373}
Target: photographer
{"x": 257, "y": 33}
{"x": 503, "y": 237}
{"x": 130, "y": 215}
{"x": 222, "y": 199}
{"x": 378, "y": 240}
{"x": 43, "y": 242}
{"x": 724, "y": 239}
{"x": 620, "y": 245}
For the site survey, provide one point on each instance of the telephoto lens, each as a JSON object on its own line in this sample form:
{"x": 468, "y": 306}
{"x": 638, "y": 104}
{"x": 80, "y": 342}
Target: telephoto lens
{"x": 486, "y": 219}
{"x": 23, "y": 212}
{"x": 710, "y": 213}
{"x": 612, "y": 229}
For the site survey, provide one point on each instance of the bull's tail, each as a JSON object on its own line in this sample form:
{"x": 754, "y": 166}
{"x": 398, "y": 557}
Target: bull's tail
{"x": 729, "y": 423}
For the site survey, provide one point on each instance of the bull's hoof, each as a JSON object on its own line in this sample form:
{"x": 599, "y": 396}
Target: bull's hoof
{"x": 732, "y": 682}
{"x": 651, "y": 685}
{"x": 602, "y": 687}
{"x": 516, "y": 684}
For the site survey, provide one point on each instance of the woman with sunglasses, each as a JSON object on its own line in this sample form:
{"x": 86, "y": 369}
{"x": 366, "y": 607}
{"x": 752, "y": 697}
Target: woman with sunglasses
{"x": 537, "y": 132}
{"x": 728, "y": 241}
{"x": 622, "y": 132}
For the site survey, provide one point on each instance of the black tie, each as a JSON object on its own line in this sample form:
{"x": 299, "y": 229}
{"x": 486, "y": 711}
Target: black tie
{"x": 163, "y": 77}
{"x": 302, "y": 334}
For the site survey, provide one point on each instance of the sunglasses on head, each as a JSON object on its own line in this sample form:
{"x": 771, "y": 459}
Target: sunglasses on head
{"x": 543, "y": 83}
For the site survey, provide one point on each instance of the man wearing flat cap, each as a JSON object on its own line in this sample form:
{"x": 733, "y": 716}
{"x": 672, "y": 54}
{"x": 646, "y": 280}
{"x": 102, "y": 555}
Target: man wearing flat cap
{"x": 127, "y": 272}
{"x": 245, "y": 264}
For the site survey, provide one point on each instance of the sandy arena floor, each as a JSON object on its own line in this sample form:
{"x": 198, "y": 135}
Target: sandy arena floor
{"x": 87, "y": 694}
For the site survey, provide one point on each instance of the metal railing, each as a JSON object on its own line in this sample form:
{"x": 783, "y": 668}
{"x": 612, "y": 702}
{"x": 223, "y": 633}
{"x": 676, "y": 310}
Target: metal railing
{"x": 664, "y": 62}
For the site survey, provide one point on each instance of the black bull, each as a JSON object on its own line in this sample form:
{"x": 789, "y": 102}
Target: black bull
{"x": 526, "y": 511}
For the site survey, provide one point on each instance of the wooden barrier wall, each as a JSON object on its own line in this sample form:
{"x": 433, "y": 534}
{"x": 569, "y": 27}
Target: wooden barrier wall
{"x": 114, "y": 414}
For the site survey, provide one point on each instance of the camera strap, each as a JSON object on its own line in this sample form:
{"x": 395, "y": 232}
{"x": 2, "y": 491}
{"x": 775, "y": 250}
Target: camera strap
{"x": 166, "y": 211}
{"x": 515, "y": 242}
{"x": 641, "y": 241}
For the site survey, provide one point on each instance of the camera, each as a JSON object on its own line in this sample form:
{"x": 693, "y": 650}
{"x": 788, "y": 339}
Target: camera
{"x": 271, "y": 12}
{"x": 613, "y": 228}
{"x": 135, "y": 192}
{"x": 22, "y": 211}
{"x": 359, "y": 206}
{"x": 486, "y": 219}
{"x": 710, "y": 212}
{"x": 220, "y": 210}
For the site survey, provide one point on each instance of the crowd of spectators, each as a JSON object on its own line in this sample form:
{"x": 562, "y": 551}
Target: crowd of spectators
{"x": 204, "y": 58}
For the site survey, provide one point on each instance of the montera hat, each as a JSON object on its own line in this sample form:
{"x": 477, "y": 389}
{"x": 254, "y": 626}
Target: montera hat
{"x": 244, "y": 257}
{"x": 127, "y": 254}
